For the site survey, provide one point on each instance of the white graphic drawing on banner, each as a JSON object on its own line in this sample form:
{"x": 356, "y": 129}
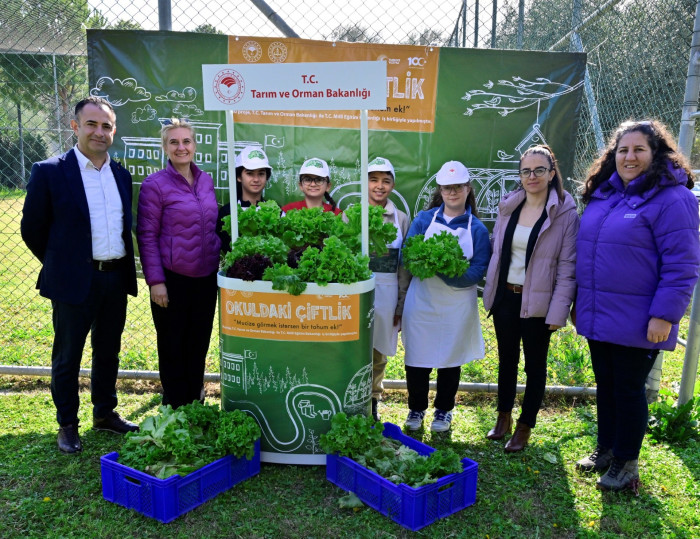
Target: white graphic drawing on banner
{"x": 515, "y": 95}
{"x": 490, "y": 184}
{"x": 303, "y": 400}
{"x": 188, "y": 95}
{"x": 120, "y": 92}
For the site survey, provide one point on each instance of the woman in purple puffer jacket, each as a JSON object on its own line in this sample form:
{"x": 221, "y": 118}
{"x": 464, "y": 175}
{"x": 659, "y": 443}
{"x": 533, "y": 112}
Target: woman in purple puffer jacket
{"x": 637, "y": 264}
{"x": 179, "y": 249}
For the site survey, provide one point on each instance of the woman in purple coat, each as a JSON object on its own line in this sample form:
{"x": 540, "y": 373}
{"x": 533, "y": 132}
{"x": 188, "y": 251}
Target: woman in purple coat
{"x": 179, "y": 250}
{"x": 637, "y": 264}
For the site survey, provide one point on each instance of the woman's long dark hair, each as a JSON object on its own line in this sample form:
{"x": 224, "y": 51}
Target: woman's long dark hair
{"x": 663, "y": 149}
{"x": 547, "y": 153}
{"x": 436, "y": 201}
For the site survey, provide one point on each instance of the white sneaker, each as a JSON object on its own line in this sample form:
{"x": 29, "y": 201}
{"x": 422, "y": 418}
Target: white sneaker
{"x": 414, "y": 421}
{"x": 441, "y": 421}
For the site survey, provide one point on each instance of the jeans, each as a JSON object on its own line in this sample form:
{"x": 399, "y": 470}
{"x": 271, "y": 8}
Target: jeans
{"x": 418, "y": 384}
{"x": 535, "y": 336}
{"x": 623, "y": 413}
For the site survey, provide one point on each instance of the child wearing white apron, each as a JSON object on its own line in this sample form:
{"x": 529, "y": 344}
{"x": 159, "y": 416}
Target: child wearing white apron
{"x": 440, "y": 326}
{"x": 391, "y": 279}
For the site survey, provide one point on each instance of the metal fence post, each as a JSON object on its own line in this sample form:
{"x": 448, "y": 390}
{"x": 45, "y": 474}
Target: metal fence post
{"x": 577, "y": 45}
{"x": 165, "y": 19}
{"x": 476, "y": 24}
{"x": 23, "y": 172}
{"x": 274, "y": 18}
{"x": 464, "y": 23}
{"x": 685, "y": 143}
{"x": 521, "y": 22}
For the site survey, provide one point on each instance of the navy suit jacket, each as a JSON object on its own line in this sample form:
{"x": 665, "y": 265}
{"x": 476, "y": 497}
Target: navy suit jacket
{"x": 56, "y": 228}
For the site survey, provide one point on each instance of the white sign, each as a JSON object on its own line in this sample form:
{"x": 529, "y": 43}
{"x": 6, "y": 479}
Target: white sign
{"x": 297, "y": 86}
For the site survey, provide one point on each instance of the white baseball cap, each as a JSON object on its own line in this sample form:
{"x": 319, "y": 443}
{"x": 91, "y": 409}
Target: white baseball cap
{"x": 451, "y": 173}
{"x": 252, "y": 158}
{"x": 380, "y": 164}
{"x": 315, "y": 167}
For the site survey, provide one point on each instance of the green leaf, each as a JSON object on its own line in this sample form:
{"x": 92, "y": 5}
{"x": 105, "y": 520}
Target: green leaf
{"x": 350, "y": 501}
{"x": 440, "y": 253}
{"x": 183, "y": 440}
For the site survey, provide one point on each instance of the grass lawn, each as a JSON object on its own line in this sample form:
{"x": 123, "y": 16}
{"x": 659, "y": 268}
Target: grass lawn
{"x": 536, "y": 493}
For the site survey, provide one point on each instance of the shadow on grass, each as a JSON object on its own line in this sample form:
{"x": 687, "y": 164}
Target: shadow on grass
{"x": 149, "y": 407}
{"x": 689, "y": 454}
{"x": 528, "y": 490}
{"x": 44, "y": 488}
{"x": 524, "y": 490}
{"x": 615, "y": 515}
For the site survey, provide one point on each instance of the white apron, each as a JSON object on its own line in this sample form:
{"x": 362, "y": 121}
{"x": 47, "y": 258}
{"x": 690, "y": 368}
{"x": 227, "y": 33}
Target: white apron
{"x": 440, "y": 325}
{"x": 386, "y": 296}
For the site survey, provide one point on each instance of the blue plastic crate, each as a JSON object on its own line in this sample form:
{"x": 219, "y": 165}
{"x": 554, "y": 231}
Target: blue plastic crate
{"x": 167, "y": 499}
{"x": 412, "y": 508}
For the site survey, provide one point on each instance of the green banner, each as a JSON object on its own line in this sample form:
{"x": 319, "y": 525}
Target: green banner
{"x": 483, "y": 107}
{"x": 292, "y": 362}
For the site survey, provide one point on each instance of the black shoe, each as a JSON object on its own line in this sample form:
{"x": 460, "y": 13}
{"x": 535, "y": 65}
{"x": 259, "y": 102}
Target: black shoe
{"x": 114, "y": 423}
{"x": 375, "y": 414}
{"x": 68, "y": 439}
{"x": 598, "y": 461}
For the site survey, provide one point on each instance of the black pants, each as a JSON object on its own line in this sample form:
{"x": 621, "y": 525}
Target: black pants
{"x": 623, "y": 413}
{"x": 103, "y": 315}
{"x": 535, "y": 336}
{"x": 418, "y": 384}
{"x": 183, "y": 333}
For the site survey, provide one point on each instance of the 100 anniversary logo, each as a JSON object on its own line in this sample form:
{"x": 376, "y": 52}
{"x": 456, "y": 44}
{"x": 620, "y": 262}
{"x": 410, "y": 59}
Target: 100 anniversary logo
{"x": 229, "y": 86}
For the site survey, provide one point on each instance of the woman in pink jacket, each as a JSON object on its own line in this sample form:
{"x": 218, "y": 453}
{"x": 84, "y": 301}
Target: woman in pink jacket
{"x": 530, "y": 284}
{"x": 179, "y": 250}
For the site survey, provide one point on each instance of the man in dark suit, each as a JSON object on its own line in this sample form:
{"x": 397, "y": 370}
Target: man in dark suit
{"x": 77, "y": 222}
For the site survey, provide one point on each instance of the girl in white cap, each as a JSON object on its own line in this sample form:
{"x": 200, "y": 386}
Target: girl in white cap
{"x": 314, "y": 182}
{"x": 440, "y": 326}
{"x": 252, "y": 173}
{"x": 391, "y": 279}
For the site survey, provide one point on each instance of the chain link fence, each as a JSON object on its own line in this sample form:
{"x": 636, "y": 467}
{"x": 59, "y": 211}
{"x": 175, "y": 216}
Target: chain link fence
{"x": 638, "y": 53}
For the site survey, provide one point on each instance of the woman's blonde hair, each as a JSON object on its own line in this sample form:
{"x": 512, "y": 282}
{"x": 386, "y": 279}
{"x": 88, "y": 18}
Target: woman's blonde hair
{"x": 174, "y": 123}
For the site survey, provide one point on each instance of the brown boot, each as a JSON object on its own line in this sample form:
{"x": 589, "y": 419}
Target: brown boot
{"x": 519, "y": 439}
{"x": 504, "y": 422}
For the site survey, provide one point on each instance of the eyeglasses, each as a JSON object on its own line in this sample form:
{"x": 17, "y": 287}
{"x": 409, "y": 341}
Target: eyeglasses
{"x": 452, "y": 188}
{"x": 309, "y": 180}
{"x": 539, "y": 172}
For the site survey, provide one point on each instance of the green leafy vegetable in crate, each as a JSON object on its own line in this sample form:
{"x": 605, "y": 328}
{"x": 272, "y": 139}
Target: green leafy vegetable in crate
{"x": 440, "y": 253}
{"x": 184, "y": 440}
{"x": 361, "y": 439}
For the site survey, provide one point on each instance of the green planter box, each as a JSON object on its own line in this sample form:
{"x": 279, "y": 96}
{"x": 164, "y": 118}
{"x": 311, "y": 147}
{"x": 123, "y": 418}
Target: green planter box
{"x": 292, "y": 362}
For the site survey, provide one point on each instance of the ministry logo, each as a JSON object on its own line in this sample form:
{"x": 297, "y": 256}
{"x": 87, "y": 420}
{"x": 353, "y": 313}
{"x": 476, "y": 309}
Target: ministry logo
{"x": 229, "y": 86}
